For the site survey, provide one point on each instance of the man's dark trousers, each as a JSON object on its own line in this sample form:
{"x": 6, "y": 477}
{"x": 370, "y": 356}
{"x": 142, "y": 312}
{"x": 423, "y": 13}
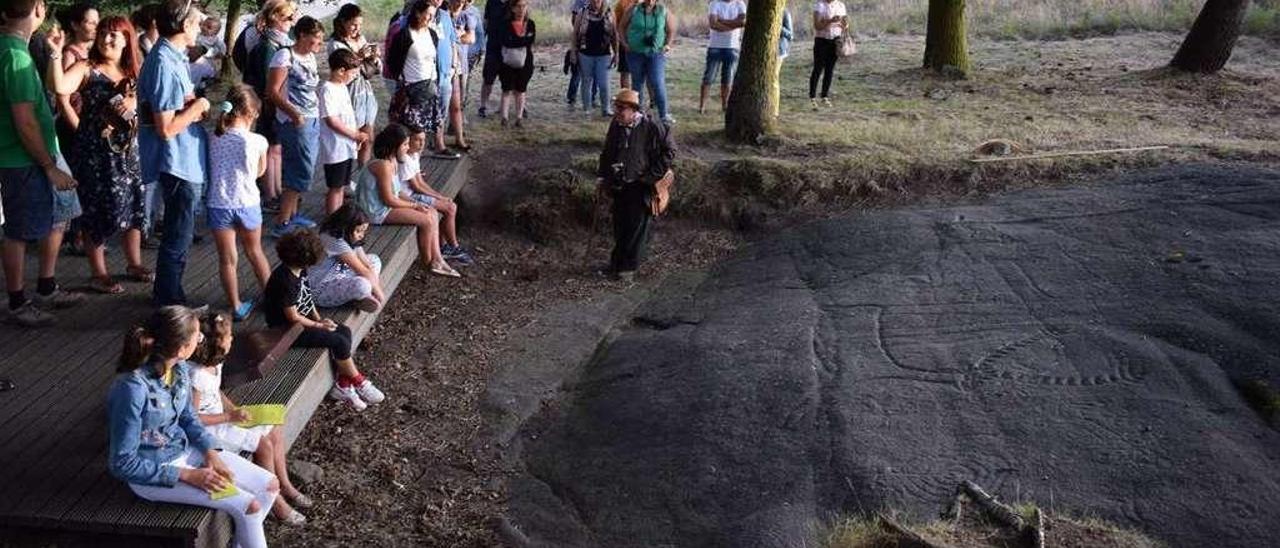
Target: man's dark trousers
{"x": 631, "y": 220}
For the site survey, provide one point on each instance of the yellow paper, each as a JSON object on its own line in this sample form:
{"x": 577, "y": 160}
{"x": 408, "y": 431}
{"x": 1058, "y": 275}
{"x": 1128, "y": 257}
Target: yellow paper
{"x": 229, "y": 491}
{"x": 267, "y": 413}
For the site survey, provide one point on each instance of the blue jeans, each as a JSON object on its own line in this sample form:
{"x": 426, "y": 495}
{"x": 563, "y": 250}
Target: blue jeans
{"x": 298, "y": 148}
{"x": 179, "y": 225}
{"x": 650, "y": 67}
{"x": 595, "y": 80}
{"x": 724, "y": 60}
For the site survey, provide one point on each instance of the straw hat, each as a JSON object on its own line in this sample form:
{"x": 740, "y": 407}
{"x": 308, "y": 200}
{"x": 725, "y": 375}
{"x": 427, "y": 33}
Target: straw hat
{"x": 628, "y": 97}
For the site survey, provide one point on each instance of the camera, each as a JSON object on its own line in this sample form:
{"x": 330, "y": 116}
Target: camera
{"x": 650, "y": 40}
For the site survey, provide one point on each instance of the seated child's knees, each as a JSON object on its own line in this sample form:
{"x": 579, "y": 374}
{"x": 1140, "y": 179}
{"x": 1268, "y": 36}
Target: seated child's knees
{"x": 253, "y": 507}
{"x": 273, "y": 485}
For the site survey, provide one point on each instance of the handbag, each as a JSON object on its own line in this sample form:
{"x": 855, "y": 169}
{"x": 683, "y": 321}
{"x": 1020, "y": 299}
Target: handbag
{"x": 662, "y": 193}
{"x": 848, "y": 47}
{"x": 513, "y": 57}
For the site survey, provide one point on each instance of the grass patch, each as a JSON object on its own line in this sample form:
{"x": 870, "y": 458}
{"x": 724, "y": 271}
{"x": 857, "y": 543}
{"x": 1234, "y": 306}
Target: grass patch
{"x": 972, "y": 531}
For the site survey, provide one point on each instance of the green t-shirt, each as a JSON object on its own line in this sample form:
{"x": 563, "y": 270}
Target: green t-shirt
{"x": 644, "y": 23}
{"x": 19, "y": 83}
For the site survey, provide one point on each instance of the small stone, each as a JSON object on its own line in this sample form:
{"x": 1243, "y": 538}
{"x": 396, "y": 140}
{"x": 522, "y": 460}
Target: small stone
{"x": 305, "y": 473}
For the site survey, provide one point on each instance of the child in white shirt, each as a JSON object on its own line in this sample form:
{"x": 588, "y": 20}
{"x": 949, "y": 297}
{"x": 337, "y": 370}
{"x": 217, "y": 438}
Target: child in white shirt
{"x": 219, "y": 414}
{"x": 340, "y": 137}
{"x": 237, "y": 157}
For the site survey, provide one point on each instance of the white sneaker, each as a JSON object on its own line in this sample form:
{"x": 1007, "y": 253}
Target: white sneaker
{"x": 57, "y": 300}
{"x": 370, "y": 393}
{"x": 348, "y": 396}
{"x": 28, "y": 315}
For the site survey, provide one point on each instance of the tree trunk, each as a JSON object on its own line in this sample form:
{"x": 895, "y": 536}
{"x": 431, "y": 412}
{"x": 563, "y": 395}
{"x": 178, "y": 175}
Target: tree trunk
{"x": 230, "y": 32}
{"x": 1212, "y": 37}
{"x": 946, "y": 48}
{"x": 752, "y": 109}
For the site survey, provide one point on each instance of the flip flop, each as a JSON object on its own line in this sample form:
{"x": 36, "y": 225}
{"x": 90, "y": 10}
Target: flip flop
{"x": 140, "y": 274}
{"x": 241, "y": 313}
{"x": 446, "y": 271}
{"x": 446, "y": 154}
{"x": 7, "y": 385}
{"x": 105, "y": 286}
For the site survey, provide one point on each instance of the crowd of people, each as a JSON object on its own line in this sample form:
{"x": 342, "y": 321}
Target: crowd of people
{"x": 106, "y": 131}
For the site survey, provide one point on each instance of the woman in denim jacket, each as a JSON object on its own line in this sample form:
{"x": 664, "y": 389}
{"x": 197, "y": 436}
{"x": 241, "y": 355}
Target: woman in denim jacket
{"x": 159, "y": 446}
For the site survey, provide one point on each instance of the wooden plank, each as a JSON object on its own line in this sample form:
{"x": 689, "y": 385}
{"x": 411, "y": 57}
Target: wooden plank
{"x": 103, "y": 504}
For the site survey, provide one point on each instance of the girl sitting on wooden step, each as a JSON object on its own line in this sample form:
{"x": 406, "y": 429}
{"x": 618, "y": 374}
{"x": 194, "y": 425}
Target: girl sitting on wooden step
{"x": 288, "y": 300}
{"x": 382, "y": 195}
{"x": 219, "y": 415}
{"x": 158, "y": 445}
{"x": 347, "y": 273}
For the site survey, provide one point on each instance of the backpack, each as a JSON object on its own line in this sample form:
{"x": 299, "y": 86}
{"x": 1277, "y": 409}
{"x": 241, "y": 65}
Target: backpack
{"x": 240, "y": 51}
{"x": 255, "y": 71}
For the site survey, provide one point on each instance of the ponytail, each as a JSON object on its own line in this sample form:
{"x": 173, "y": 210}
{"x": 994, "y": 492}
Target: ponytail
{"x": 137, "y": 348}
{"x": 163, "y": 334}
{"x": 241, "y": 102}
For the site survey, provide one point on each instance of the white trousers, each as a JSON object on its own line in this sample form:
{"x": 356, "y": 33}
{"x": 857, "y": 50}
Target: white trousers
{"x": 251, "y": 480}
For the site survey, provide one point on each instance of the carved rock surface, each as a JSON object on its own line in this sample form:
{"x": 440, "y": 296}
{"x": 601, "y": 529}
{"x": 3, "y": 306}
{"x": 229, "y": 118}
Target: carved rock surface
{"x": 1040, "y": 344}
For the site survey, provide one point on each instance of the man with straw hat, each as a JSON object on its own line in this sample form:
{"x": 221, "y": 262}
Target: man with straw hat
{"x": 638, "y": 153}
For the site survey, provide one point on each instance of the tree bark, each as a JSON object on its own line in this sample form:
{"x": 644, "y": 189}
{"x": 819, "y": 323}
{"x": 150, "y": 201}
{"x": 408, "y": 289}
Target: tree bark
{"x": 751, "y": 113}
{"x": 1208, "y": 46}
{"x": 229, "y": 34}
{"x": 946, "y": 47}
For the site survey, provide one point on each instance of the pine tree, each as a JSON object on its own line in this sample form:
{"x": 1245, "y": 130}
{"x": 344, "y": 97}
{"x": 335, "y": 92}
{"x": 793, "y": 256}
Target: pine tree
{"x": 752, "y": 102}
{"x": 946, "y": 47}
{"x": 1208, "y": 46}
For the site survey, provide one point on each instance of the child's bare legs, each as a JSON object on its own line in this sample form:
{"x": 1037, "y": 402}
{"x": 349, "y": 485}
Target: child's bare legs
{"x": 251, "y": 241}
{"x": 225, "y": 240}
{"x": 281, "y": 468}
{"x": 275, "y": 158}
{"x": 503, "y": 104}
{"x": 520, "y": 104}
{"x": 333, "y": 200}
{"x": 428, "y": 232}
{"x": 449, "y": 230}
{"x": 455, "y": 114}
{"x": 288, "y": 205}
{"x": 265, "y": 456}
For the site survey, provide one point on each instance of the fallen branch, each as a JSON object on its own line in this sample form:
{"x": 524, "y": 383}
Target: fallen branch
{"x": 1068, "y": 153}
{"x": 908, "y": 534}
{"x": 999, "y": 511}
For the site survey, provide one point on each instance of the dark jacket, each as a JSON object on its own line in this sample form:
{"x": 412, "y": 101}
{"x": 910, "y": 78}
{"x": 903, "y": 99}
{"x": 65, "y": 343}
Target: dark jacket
{"x": 645, "y": 153}
{"x": 399, "y": 50}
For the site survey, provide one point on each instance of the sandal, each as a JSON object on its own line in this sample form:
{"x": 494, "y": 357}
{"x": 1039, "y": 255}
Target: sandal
{"x": 445, "y": 270}
{"x": 446, "y": 154}
{"x": 7, "y": 385}
{"x": 464, "y": 148}
{"x": 294, "y": 519}
{"x": 300, "y": 501}
{"x": 140, "y": 274}
{"x": 106, "y": 286}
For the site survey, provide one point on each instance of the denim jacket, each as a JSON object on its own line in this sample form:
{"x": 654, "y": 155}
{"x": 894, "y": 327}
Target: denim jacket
{"x": 152, "y": 424}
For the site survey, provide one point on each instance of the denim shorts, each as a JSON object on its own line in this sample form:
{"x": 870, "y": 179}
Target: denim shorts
{"x": 424, "y": 199}
{"x": 247, "y": 218}
{"x": 298, "y": 148}
{"x": 725, "y": 59}
{"x": 27, "y": 195}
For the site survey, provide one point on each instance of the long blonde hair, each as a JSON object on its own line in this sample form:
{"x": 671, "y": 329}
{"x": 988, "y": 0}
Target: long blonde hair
{"x": 269, "y": 8}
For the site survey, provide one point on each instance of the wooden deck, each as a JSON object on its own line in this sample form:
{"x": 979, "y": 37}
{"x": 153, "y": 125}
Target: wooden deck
{"x": 54, "y": 486}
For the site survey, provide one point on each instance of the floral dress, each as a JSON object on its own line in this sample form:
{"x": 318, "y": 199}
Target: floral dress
{"x": 104, "y": 162}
